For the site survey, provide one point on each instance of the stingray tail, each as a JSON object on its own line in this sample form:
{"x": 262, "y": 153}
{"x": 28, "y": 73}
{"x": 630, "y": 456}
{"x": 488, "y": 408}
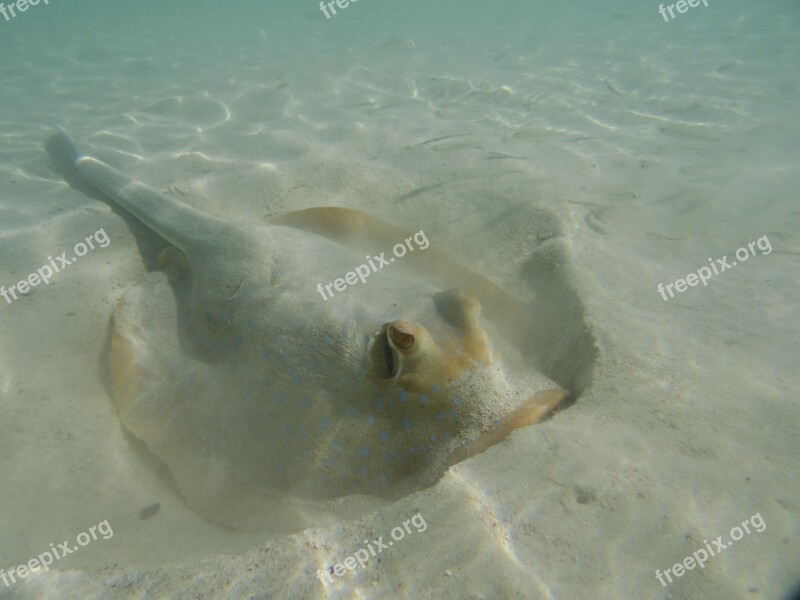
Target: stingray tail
{"x": 70, "y": 148}
{"x": 178, "y": 223}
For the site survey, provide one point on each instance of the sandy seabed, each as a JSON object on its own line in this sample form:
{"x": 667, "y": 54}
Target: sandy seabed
{"x": 576, "y": 167}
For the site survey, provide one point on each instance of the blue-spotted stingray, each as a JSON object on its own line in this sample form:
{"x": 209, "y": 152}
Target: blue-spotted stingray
{"x": 263, "y": 399}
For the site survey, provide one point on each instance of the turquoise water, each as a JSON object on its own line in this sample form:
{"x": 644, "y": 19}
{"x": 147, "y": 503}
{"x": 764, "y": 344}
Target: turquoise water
{"x": 575, "y": 156}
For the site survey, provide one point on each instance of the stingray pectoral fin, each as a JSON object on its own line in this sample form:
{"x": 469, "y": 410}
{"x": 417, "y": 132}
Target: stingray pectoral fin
{"x": 529, "y": 413}
{"x": 154, "y": 377}
{"x": 163, "y": 394}
{"x": 171, "y": 256}
{"x": 349, "y": 227}
{"x": 124, "y": 370}
{"x": 144, "y": 356}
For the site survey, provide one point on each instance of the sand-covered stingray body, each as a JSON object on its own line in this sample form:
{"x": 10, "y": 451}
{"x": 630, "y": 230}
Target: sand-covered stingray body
{"x": 257, "y": 393}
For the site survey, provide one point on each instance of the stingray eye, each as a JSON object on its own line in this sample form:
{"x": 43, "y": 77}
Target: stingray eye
{"x": 458, "y": 307}
{"x": 402, "y": 339}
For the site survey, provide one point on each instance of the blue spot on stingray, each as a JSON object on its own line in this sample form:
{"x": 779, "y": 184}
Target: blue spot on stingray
{"x": 447, "y": 435}
{"x": 337, "y": 447}
{"x": 384, "y": 436}
{"x": 379, "y": 404}
{"x": 363, "y": 452}
{"x": 456, "y": 399}
{"x": 305, "y": 402}
{"x": 362, "y": 470}
{"x": 403, "y": 396}
{"x": 386, "y": 458}
{"x": 407, "y": 424}
{"x": 227, "y": 319}
{"x": 350, "y": 411}
{"x": 370, "y": 420}
{"x": 209, "y": 318}
{"x": 440, "y": 416}
{"x": 383, "y": 479}
{"x": 433, "y": 439}
{"x": 423, "y": 399}
{"x": 301, "y": 432}
{"x": 399, "y": 456}
{"x": 436, "y": 389}
{"x": 325, "y": 423}
{"x": 452, "y": 412}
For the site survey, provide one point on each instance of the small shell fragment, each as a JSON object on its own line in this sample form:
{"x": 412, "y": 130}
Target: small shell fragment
{"x": 149, "y": 511}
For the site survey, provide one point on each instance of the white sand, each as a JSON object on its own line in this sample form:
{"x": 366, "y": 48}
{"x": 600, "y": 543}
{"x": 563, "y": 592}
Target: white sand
{"x": 575, "y": 192}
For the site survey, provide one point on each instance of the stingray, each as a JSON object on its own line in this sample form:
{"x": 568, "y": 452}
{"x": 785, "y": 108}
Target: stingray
{"x": 264, "y": 399}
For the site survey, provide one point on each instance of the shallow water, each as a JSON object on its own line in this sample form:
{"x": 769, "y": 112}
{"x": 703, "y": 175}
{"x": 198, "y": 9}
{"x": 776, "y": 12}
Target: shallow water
{"x": 576, "y": 156}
